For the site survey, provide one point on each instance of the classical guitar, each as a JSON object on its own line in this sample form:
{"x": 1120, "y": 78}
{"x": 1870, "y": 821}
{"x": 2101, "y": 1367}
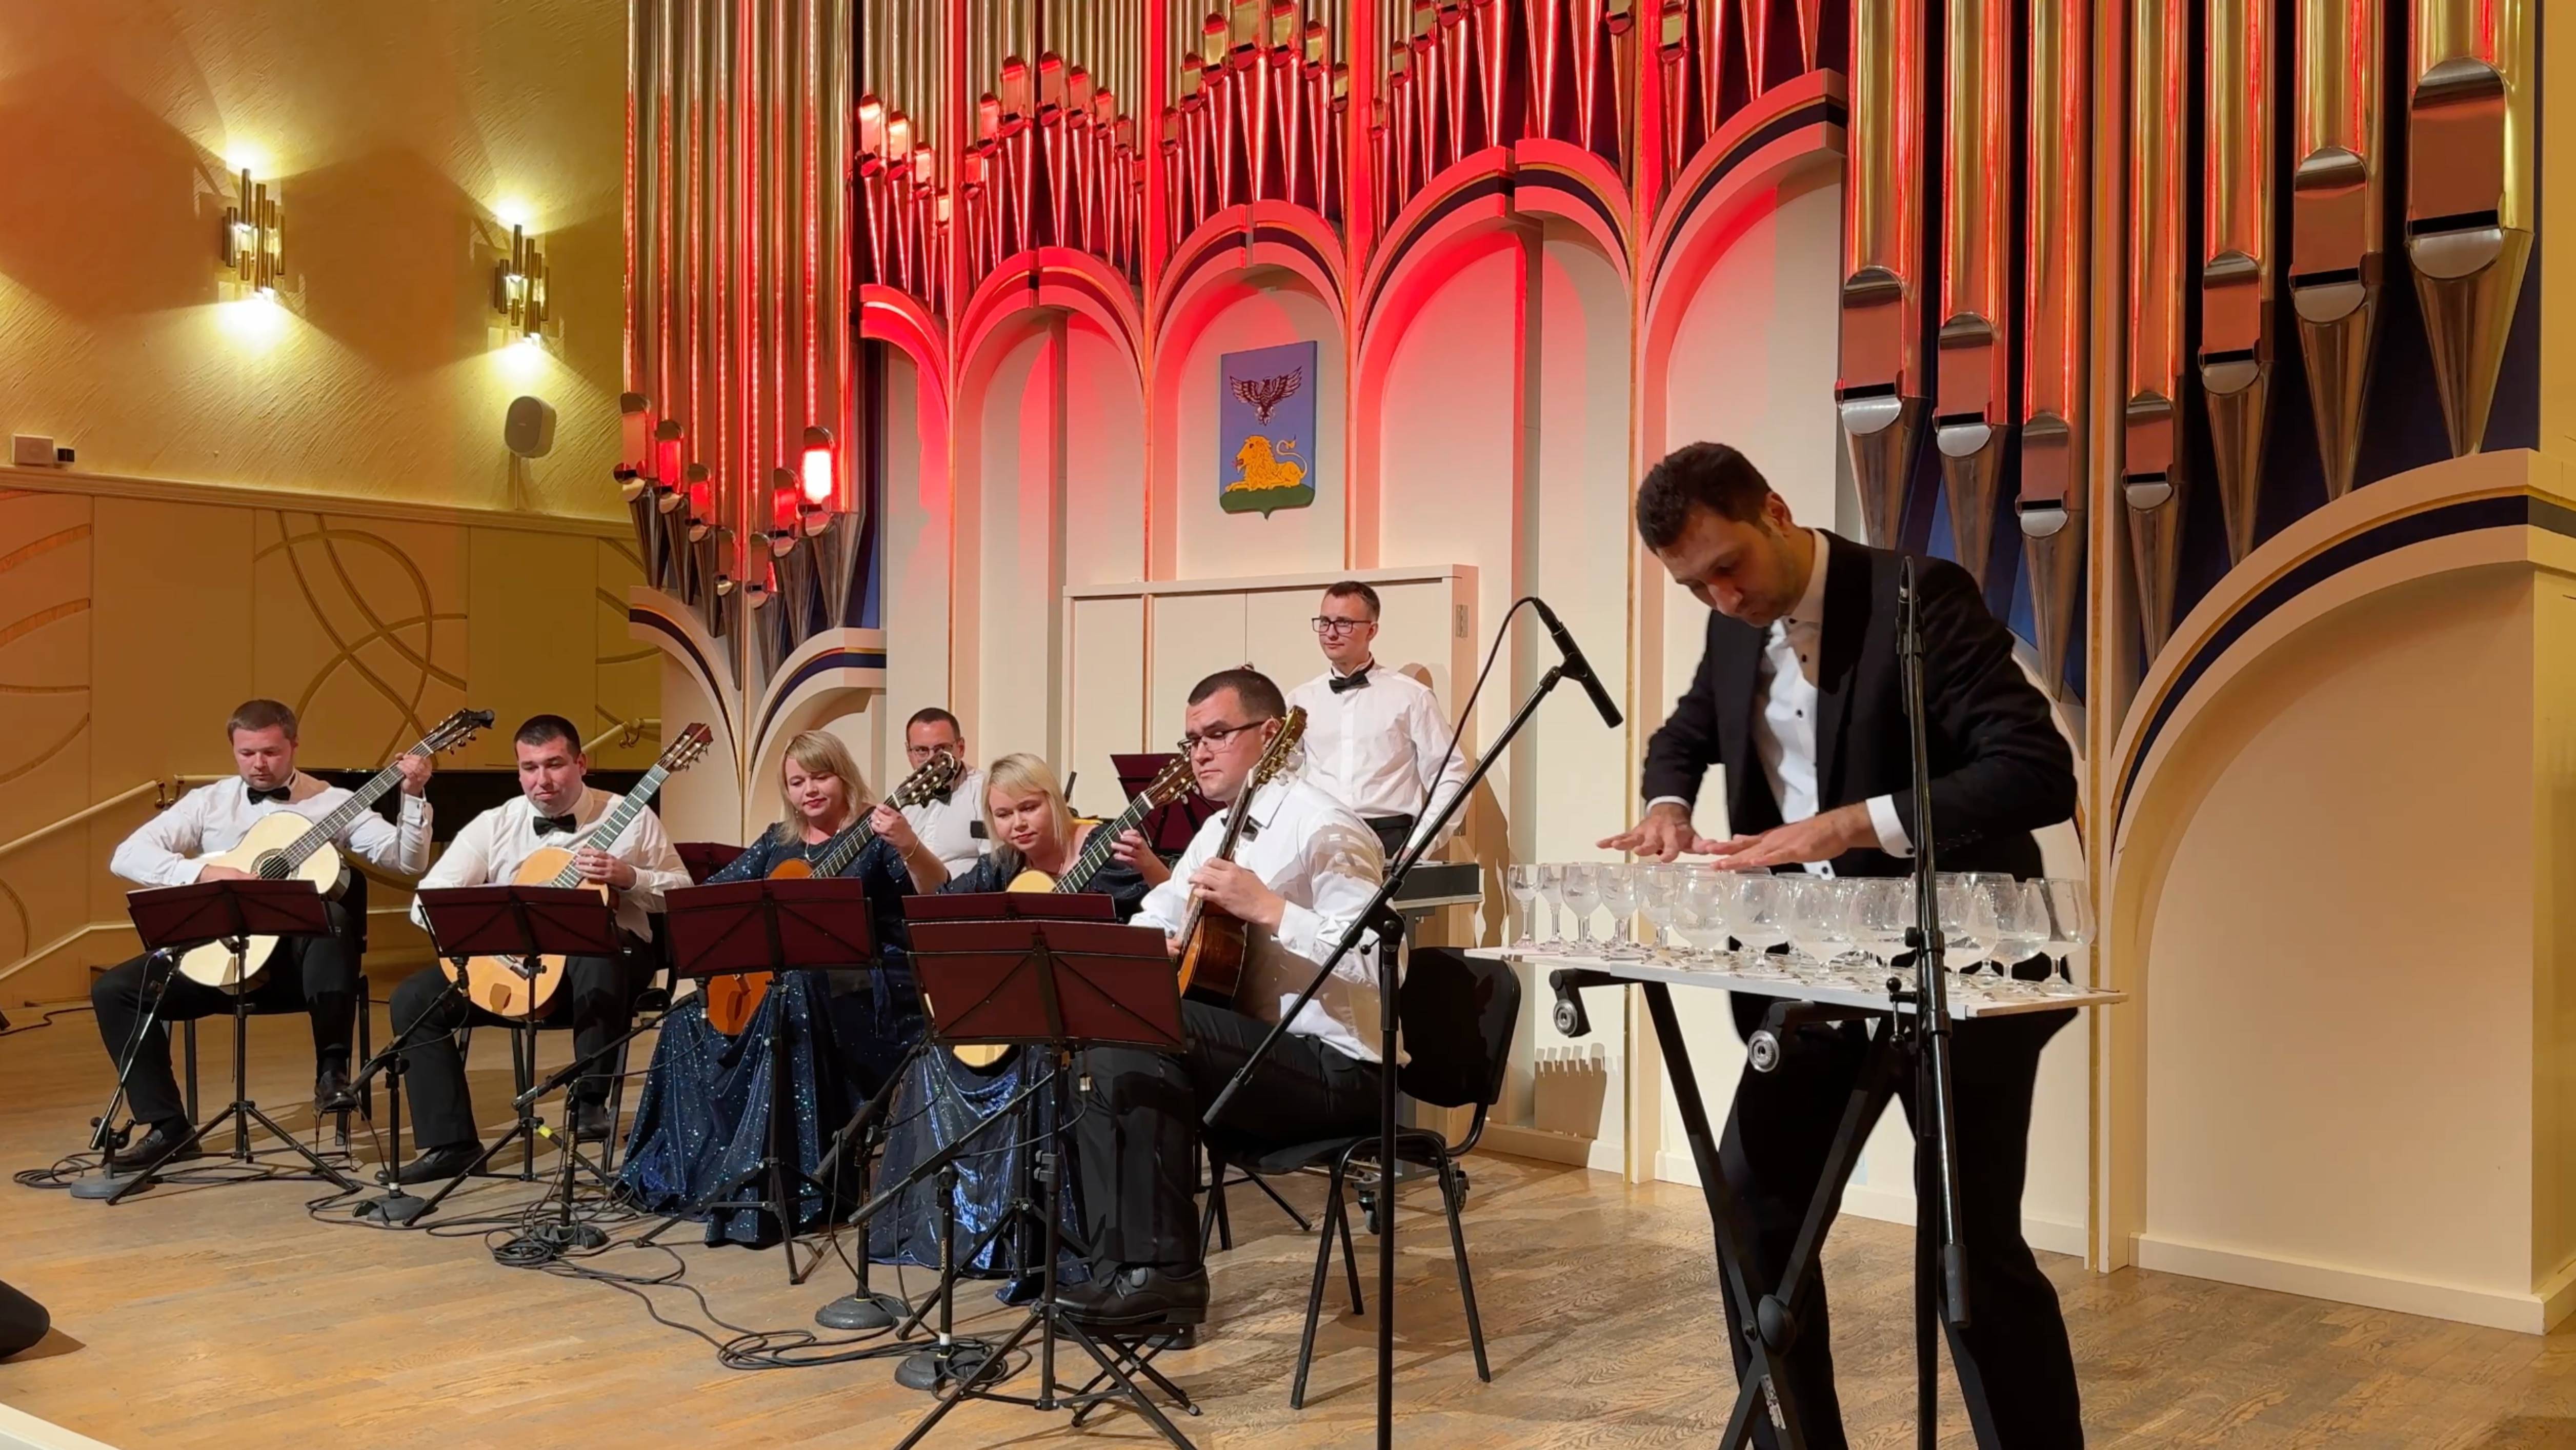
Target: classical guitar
{"x": 525, "y": 986}
{"x": 1169, "y": 784}
{"x": 284, "y": 846}
{"x": 1212, "y": 940}
{"x": 731, "y": 1000}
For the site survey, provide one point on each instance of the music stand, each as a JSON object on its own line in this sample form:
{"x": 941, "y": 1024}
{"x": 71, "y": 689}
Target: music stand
{"x": 177, "y": 919}
{"x": 737, "y": 927}
{"x": 1043, "y": 979}
{"x": 521, "y": 922}
{"x": 1167, "y": 828}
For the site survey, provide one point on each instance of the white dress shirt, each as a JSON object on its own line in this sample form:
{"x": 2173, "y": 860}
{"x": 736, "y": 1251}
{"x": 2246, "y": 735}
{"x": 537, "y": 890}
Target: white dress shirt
{"x": 952, "y": 828}
{"x": 1784, "y": 718}
{"x": 169, "y": 849}
{"x": 1317, "y": 853}
{"x": 489, "y": 850}
{"x": 1381, "y": 748}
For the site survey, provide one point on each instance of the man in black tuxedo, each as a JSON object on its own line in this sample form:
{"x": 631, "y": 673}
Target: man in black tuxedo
{"x": 1799, "y": 693}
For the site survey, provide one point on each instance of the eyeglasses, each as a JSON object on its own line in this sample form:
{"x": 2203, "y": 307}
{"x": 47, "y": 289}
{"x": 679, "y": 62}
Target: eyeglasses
{"x": 924, "y": 752}
{"x": 1215, "y": 737}
{"x": 1325, "y": 625}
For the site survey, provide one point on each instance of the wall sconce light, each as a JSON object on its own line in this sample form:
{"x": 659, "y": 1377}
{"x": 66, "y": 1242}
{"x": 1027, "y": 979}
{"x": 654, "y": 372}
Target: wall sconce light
{"x": 254, "y": 236}
{"x": 519, "y": 287}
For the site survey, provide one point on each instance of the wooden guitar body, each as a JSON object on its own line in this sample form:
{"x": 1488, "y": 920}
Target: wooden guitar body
{"x": 513, "y": 986}
{"x": 1212, "y": 964}
{"x": 732, "y": 1000}
{"x": 210, "y": 964}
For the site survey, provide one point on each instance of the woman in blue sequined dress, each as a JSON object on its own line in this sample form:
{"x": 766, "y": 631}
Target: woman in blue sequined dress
{"x": 703, "y": 1116}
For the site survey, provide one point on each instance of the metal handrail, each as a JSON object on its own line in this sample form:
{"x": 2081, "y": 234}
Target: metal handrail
{"x": 624, "y": 732}
{"x": 149, "y": 787}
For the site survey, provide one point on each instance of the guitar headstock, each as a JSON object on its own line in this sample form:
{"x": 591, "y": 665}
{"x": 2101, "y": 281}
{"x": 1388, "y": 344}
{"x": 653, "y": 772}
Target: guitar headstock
{"x": 1169, "y": 784}
{"x": 937, "y": 776}
{"x": 1282, "y": 745}
{"x": 683, "y": 752}
{"x": 453, "y": 732}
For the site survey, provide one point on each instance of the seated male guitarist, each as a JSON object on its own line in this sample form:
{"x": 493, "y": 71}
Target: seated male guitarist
{"x": 315, "y": 975}
{"x": 1304, "y": 868}
{"x": 596, "y": 995}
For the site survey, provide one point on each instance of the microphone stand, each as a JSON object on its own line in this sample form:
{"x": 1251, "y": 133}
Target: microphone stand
{"x": 1936, "y": 1145}
{"x": 1376, "y": 914}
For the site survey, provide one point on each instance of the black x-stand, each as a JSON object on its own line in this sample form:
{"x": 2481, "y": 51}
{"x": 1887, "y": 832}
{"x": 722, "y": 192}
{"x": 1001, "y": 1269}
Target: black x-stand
{"x": 524, "y": 923}
{"x": 736, "y": 927}
{"x": 1053, "y": 987}
{"x": 177, "y": 919}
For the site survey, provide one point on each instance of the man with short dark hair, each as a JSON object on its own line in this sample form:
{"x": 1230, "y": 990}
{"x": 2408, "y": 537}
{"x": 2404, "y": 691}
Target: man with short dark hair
{"x": 315, "y": 975}
{"x": 952, "y": 825}
{"x": 1798, "y": 694}
{"x": 554, "y": 808}
{"x": 1301, "y": 874}
{"x": 1375, "y": 737}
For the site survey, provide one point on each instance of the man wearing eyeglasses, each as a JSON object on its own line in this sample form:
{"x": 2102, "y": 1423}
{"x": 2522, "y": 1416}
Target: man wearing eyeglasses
{"x": 1374, "y": 737}
{"x": 1303, "y": 870}
{"x": 952, "y": 826}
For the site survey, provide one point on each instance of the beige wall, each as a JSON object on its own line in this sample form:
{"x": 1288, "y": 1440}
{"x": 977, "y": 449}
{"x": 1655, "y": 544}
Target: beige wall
{"x": 395, "y": 133}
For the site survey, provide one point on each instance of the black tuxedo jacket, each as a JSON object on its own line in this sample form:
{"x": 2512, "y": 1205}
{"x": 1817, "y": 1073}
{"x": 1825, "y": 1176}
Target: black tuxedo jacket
{"x": 1999, "y": 768}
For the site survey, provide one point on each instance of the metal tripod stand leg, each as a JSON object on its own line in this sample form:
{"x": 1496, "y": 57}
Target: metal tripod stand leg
{"x": 241, "y": 1113}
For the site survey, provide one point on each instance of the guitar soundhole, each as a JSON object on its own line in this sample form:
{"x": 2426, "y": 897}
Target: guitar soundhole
{"x": 272, "y": 866}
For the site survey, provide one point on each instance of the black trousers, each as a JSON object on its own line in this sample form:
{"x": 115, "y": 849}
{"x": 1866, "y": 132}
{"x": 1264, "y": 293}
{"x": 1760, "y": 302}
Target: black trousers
{"x": 1391, "y": 832}
{"x": 1136, "y": 1125}
{"x": 315, "y": 975}
{"x": 2016, "y": 1370}
{"x": 596, "y": 998}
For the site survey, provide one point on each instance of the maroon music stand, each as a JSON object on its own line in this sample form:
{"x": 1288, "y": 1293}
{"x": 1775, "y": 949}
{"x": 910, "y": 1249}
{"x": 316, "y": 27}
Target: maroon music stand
{"x": 793, "y": 924}
{"x": 1048, "y": 973}
{"x": 520, "y": 922}
{"x": 178, "y": 919}
{"x": 1167, "y": 829}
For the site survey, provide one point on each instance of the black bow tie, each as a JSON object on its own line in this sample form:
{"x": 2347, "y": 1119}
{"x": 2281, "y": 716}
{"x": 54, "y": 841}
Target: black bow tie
{"x": 564, "y": 824}
{"x": 257, "y": 795}
{"x": 1355, "y": 680}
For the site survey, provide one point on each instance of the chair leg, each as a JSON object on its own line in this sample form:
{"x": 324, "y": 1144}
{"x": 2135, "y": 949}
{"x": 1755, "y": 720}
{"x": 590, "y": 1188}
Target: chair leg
{"x": 1257, "y": 1181}
{"x": 1350, "y": 1259}
{"x": 1466, "y": 1283}
{"x": 1213, "y": 1211}
{"x": 1315, "y": 1289}
{"x": 188, "y": 1037}
{"x": 366, "y": 1046}
{"x": 616, "y": 1106}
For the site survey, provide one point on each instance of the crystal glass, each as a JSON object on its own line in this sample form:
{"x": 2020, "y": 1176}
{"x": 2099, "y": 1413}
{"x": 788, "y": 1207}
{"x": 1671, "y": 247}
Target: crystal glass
{"x": 1761, "y": 921}
{"x": 1619, "y": 894}
{"x": 1523, "y": 881}
{"x": 1882, "y": 915}
{"x": 1582, "y": 893}
{"x": 1816, "y": 906}
{"x": 1707, "y": 901}
{"x": 1659, "y": 899}
{"x": 2021, "y": 927}
{"x": 2070, "y": 926}
{"x": 1967, "y": 920}
{"x": 1551, "y": 889}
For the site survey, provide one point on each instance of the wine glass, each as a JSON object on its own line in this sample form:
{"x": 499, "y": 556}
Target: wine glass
{"x": 1707, "y": 897}
{"x": 1619, "y": 894}
{"x": 1551, "y": 889}
{"x": 1523, "y": 881}
{"x": 2021, "y": 926}
{"x": 1659, "y": 897}
{"x": 1967, "y": 921}
{"x": 1810, "y": 915}
{"x": 1884, "y": 915}
{"x": 2070, "y": 925}
{"x": 1582, "y": 893}
{"x": 1761, "y": 921}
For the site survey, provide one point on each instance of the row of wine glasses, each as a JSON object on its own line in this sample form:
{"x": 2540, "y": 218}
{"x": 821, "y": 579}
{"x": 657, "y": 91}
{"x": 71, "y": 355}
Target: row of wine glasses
{"x": 1755, "y": 923}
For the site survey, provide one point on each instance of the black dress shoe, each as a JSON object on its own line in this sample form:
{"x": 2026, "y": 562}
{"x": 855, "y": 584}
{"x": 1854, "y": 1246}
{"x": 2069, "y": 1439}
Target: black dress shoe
{"x": 331, "y": 1093}
{"x": 436, "y": 1164}
{"x": 1139, "y": 1294}
{"x": 590, "y": 1122}
{"x": 128, "y": 1163}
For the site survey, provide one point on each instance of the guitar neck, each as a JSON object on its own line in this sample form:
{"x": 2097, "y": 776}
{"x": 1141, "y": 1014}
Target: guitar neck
{"x": 1104, "y": 843}
{"x": 845, "y": 848}
{"x": 614, "y": 824}
{"x": 328, "y": 828}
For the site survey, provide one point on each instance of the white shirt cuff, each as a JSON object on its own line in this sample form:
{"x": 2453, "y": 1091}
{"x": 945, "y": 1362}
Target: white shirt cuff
{"x": 1891, "y": 831}
{"x": 414, "y": 807}
{"x": 1671, "y": 799}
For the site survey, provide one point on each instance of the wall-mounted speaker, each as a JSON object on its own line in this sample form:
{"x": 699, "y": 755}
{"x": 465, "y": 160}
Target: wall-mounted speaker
{"x": 530, "y": 428}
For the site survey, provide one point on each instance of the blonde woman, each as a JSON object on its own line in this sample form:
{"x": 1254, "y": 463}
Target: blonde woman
{"x": 1032, "y": 829}
{"x": 704, "y": 1113}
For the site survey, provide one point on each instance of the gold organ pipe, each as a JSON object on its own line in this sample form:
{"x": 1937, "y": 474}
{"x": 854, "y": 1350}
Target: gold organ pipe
{"x": 2153, "y": 477}
{"x": 2469, "y": 192}
{"x": 2338, "y": 236}
{"x": 1972, "y": 418}
{"x": 1880, "y": 392}
{"x": 2053, "y": 505}
{"x": 2238, "y": 261}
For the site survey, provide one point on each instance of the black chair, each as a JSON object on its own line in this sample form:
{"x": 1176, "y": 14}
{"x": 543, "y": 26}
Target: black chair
{"x": 1459, "y": 1015}
{"x": 340, "y": 1120}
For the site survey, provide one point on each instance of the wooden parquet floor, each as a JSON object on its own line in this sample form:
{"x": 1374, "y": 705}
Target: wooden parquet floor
{"x": 224, "y": 1316}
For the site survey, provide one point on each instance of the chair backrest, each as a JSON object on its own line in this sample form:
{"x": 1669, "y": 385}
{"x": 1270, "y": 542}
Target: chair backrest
{"x": 1458, "y": 1014}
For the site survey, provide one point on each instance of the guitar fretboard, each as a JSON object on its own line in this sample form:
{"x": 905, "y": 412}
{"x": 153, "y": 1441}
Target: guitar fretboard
{"x": 1104, "y": 842}
{"x": 328, "y": 828}
{"x": 608, "y": 828}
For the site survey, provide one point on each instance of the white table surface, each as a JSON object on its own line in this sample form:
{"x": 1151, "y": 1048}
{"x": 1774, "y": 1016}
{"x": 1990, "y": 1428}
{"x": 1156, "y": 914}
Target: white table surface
{"x": 1968, "y": 998}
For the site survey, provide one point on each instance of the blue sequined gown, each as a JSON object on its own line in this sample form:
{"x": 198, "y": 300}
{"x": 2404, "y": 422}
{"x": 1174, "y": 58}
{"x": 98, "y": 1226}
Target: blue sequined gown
{"x": 942, "y": 1097}
{"x": 703, "y": 1115}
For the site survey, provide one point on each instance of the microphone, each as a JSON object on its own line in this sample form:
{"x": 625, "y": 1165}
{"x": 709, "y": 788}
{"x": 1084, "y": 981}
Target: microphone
{"x": 1576, "y": 666}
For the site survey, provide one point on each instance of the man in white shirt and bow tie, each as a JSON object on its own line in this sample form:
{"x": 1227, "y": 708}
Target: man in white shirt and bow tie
{"x": 315, "y": 975}
{"x": 555, "y": 807}
{"x": 1375, "y": 738}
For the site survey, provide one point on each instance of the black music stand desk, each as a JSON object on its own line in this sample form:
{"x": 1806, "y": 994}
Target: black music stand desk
{"x": 178, "y": 919}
